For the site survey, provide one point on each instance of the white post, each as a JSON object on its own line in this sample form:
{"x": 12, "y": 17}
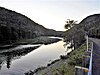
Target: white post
{"x": 87, "y": 41}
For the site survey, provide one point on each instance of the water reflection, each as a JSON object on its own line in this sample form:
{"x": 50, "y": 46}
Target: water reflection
{"x": 8, "y": 62}
{"x": 8, "y": 56}
{"x": 29, "y": 59}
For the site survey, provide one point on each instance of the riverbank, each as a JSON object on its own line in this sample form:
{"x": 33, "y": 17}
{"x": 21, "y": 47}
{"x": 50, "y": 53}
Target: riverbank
{"x": 39, "y": 40}
{"x": 62, "y": 66}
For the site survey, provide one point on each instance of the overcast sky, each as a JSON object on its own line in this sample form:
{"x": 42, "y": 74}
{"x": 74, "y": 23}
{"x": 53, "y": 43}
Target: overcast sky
{"x": 53, "y": 13}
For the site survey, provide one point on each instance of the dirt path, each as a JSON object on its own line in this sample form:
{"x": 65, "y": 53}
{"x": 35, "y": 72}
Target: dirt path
{"x": 96, "y": 56}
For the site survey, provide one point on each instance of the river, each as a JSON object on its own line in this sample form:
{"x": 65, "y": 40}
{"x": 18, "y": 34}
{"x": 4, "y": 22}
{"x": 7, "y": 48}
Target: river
{"x": 18, "y": 64}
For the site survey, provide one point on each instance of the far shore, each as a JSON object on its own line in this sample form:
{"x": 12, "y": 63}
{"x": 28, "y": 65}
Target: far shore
{"x": 39, "y": 40}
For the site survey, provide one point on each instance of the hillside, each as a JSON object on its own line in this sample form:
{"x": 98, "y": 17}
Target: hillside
{"x": 89, "y": 26}
{"x": 15, "y": 26}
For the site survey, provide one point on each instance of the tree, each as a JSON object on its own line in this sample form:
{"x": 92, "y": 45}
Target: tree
{"x": 70, "y": 36}
{"x": 69, "y": 24}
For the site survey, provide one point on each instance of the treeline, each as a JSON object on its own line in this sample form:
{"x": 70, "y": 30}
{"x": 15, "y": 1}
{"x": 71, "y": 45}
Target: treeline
{"x": 89, "y": 26}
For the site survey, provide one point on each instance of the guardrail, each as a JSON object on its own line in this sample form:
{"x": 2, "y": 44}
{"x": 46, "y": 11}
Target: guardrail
{"x": 86, "y": 68}
{"x": 90, "y": 65}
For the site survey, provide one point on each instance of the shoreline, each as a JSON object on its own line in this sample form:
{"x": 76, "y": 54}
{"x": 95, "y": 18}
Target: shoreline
{"x": 62, "y": 65}
{"x": 61, "y": 60}
{"x": 39, "y": 40}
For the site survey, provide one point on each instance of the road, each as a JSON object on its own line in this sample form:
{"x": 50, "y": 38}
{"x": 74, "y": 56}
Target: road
{"x": 96, "y": 56}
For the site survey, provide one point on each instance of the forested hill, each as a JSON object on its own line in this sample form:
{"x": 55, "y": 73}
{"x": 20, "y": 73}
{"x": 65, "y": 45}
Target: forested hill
{"x": 89, "y": 26}
{"x": 15, "y": 26}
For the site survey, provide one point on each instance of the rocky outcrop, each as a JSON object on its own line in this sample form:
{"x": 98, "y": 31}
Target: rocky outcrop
{"x": 15, "y": 26}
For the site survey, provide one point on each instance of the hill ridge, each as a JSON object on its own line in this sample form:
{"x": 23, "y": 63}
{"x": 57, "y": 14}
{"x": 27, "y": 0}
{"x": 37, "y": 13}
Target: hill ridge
{"x": 15, "y": 26}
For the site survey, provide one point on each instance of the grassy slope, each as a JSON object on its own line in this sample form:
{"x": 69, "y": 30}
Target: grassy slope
{"x": 67, "y": 66}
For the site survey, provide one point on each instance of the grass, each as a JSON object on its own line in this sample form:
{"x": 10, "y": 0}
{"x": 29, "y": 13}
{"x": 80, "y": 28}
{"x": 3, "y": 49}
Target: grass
{"x": 64, "y": 69}
{"x": 75, "y": 57}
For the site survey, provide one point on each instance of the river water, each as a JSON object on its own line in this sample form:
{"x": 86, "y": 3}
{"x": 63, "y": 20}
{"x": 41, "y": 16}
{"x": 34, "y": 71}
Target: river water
{"x": 15, "y": 64}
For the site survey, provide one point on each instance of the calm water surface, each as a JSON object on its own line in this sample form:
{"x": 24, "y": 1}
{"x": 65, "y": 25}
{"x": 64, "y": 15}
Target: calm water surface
{"x": 19, "y": 64}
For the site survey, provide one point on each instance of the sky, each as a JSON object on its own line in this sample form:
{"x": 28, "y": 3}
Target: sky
{"x": 53, "y": 14}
